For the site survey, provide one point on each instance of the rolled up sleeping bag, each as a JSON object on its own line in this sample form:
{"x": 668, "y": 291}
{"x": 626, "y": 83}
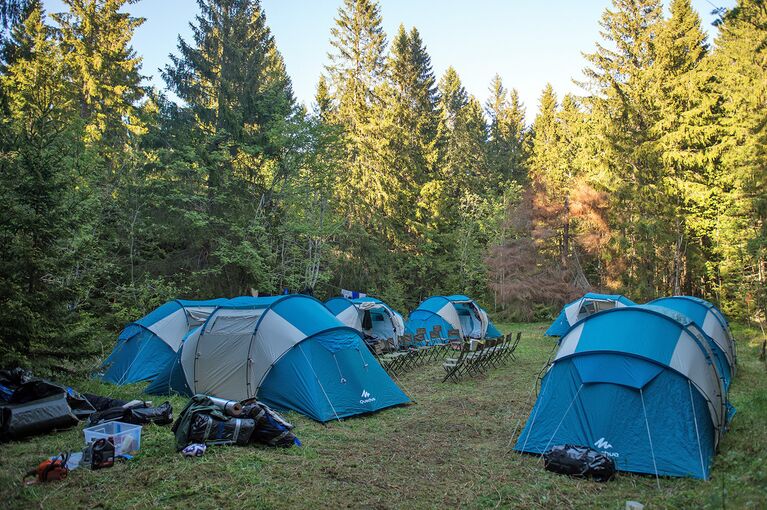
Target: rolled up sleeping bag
{"x": 230, "y": 407}
{"x": 36, "y": 417}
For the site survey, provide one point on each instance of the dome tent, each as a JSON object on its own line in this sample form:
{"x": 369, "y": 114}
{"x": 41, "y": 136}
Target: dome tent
{"x": 638, "y": 385}
{"x": 290, "y": 352}
{"x": 584, "y": 306}
{"x": 369, "y": 315}
{"x": 452, "y": 312}
{"x": 146, "y": 346}
{"x": 708, "y": 318}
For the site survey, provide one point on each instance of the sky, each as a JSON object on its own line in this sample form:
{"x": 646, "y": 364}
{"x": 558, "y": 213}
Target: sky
{"x": 527, "y": 42}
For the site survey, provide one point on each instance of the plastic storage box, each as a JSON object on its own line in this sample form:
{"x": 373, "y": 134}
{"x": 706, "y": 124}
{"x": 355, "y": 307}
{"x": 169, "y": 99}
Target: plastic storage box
{"x": 126, "y": 436}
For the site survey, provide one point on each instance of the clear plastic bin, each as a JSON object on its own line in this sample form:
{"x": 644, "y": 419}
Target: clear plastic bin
{"x": 126, "y": 436}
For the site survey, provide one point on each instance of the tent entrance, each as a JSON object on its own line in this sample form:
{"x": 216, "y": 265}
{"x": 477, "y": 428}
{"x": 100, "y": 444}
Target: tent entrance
{"x": 592, "y": 306}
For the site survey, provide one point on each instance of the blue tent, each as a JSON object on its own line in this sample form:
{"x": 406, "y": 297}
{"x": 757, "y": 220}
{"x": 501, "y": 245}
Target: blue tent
{"x": 371, "y": 316}
{"x": 146, "y": 346}
{"x": 582, "y": 307}
{"x": 290, "y": 352}
{"x": 709, "y": 319}
{"x": 452, "y": 312}
{"x": 635, "y": 384}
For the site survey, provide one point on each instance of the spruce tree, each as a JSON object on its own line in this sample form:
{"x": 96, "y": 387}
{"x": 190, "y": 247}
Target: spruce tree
{"x": 507, "y": 150}
{"x": 41, "y": 213}
{"x": 104, "y": 67}
{"x": 740, "y": 231}
{"x": 620, "y": 75}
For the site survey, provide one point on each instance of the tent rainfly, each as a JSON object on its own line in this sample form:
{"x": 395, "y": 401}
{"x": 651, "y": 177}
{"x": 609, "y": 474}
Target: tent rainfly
{"x": 452, "y": 312}
{"x": 582, "y": 307}
{"x": 146, "y": 346}
{"x": 371, "y": 316}
{"x": 290, "y": 352}
{"x": 708, "y": 318}
{"x": 638, "y": 383}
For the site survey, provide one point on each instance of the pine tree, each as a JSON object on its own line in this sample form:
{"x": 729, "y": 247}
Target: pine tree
{"x": 358, "y": 61}
{"x": 507, "y": 149}
{"x": 323, "y": 100}
{"x": 413, "y": 104}
{"x": 104, "y": 67}
{"x": 685, "y": 127}
{"x": 740, "y": 225}
{"x": 234, "y": 84}
{"x": 620, "y": 75}
{"x": 37, "y": 186}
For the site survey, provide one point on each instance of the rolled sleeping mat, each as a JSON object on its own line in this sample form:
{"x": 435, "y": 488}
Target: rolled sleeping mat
{"x": 230, "y": 407}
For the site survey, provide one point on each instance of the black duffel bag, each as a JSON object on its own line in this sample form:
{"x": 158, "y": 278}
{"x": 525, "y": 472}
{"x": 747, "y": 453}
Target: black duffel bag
{"x": 212, "y": 430}
{"x": 140, "y": 414}
{"x": 579, "y": 461}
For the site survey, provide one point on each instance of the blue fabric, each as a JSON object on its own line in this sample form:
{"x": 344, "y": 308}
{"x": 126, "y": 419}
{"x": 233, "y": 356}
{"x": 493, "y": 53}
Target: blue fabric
{"x": 335, "y": 340}
{"x": 325, "y": 386}
{"x": 611, "y": 417}
{"x": 616, "y": 369}
{"x": 138, "y": 356}
{"x": 560, "y": 325}
{"x": 427, "y": 320}
{"x": 337, "y": 305}
{"x": 425, "y": 316}
{"x": 307, "y": 379}
{"x": 171, "y": 380}
{"x": 632, "y": 330}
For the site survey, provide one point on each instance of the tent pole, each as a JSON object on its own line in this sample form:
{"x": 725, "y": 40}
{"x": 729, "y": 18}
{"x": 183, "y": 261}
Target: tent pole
{"x": 652, "y": 451}
{"x": 697, "y": 434}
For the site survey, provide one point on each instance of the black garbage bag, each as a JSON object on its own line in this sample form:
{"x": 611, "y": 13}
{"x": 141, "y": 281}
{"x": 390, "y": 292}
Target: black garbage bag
{"x": 579, "y": 461}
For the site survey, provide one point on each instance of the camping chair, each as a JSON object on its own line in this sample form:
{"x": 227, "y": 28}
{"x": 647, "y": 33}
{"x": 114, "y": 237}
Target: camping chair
{"x": 514, "y": 346}
{"x": 437, "y": 342}
{"x": 422, "y": 346}
{"x": 454, "y": 340}
{"x": 490, "y": 354}
{"x": 410, "y": 352}
{"x": 454, "y": 367}
{"x": 475, "y": 358}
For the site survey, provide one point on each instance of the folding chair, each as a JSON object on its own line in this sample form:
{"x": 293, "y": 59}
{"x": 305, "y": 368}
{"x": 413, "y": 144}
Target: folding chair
{"x": 514, "y": 346}
{"x": 454, "y": 366}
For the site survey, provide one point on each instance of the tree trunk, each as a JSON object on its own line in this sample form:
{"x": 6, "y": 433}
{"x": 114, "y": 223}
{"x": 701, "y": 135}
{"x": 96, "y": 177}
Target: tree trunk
{"x": 565, "y": 252}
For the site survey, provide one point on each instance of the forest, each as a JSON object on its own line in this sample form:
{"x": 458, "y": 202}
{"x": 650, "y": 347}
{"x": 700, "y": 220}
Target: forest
{"x": 117, "y": 197}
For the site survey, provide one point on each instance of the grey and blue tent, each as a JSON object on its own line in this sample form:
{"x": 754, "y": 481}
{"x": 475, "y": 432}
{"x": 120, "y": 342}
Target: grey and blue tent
{"x": 146, "y": 346}
{"x": 582, "y": 307}
{"x": 290, "y": 352}
{"x": 637, "y": 384}
{"x": 708, "y": 318}
{"x": 456, "y": 312}
{"x": 374, "y": 318}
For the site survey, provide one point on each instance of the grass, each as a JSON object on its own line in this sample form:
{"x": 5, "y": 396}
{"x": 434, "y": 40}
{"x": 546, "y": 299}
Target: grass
{"x": 452, "y": 448}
